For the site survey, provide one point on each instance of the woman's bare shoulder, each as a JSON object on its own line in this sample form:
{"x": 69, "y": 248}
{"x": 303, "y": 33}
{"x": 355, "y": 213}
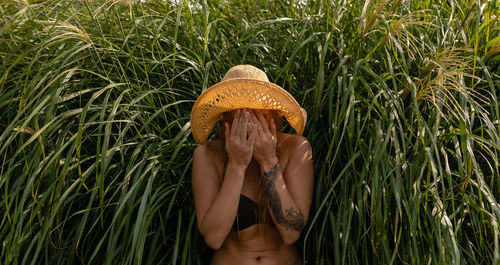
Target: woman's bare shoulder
{"x": 209, "y": 157}
{"x": 293, "y": 142}
{"x": 210, "y": 149}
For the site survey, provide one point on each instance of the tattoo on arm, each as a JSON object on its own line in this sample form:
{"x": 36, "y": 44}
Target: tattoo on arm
{"x": 294, "y": 217}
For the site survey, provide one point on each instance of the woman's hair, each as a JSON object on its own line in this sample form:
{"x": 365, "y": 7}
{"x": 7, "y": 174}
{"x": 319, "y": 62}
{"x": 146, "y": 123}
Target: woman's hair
{"x": 263, "y": 215}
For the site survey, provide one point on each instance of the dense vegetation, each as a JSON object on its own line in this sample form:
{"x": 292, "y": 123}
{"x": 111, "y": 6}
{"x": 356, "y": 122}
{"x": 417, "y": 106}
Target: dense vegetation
{"x": 95, "y": 143}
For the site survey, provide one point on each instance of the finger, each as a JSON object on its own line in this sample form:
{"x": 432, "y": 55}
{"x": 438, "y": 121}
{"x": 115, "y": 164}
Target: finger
{"x": 244, "y": 125}
{"x": 262, "y": 122}
{"x": 273, "y": 127}
{"x": 252, "y": 116}
{"x": 258, "y": 127}
{"x": 255, "y": 119}
{"x": 234, "y": 127}
{"x": 241, "y": 117}
{"x": 251, "y": 134}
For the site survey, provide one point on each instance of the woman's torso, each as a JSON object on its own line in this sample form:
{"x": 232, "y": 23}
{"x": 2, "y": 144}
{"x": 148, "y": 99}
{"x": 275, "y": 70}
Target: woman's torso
{"x": 250, "y": 245}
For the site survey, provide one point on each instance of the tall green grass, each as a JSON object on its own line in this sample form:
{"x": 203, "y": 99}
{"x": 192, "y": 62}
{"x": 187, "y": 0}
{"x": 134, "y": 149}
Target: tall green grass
{"x": 95, "y": 141}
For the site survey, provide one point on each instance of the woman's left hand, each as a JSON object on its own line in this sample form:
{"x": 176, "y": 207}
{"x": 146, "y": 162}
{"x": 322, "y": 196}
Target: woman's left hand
{"x": 264, "y": 147}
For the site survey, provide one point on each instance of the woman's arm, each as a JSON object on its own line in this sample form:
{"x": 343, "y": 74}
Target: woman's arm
{"x": 216, "y": 204}
{"x": 288, "y": 193}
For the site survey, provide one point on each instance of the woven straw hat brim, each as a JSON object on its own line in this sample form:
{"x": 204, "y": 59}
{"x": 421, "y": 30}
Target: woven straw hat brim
{"x": 238, "y": 93}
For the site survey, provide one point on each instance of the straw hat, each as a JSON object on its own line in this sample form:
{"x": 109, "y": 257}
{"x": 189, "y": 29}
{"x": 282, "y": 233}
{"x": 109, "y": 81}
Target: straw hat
{"x": 243, "y": 86}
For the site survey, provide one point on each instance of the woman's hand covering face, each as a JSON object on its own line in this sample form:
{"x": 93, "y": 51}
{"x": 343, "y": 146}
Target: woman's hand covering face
{"x": 264, "y": 147}
{"x": 240, "y": 139}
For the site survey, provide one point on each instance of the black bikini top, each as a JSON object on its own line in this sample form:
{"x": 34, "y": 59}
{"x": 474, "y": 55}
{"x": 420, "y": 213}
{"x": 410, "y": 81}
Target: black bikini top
{"x": 247, "y": 214}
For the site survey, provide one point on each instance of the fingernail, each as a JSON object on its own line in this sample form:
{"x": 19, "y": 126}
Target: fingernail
{"x": 238, "y": 111}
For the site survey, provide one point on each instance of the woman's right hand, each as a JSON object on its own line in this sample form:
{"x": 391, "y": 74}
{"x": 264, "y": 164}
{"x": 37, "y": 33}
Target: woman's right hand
{"x": 240, "y": 139}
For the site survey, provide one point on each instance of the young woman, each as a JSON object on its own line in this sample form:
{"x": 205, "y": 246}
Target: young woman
{"x": 253, "y": 186}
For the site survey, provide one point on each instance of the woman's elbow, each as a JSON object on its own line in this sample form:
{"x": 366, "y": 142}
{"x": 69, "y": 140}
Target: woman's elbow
{"x": 214, "y": 238}
{"x": 213, "y": 241}
{"x": 291, "y": 238}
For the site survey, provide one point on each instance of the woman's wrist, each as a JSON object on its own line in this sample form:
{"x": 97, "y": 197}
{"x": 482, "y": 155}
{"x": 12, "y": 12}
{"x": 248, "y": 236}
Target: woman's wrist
{"x": 236, "y": 168}
{"x": 268, "y": 164}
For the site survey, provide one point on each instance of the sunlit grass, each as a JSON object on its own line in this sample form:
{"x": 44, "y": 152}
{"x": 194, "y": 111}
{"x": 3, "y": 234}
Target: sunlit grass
{"x": 95, "y": 142}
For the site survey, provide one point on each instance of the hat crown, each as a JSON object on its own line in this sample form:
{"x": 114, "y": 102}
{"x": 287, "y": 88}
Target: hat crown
{"x": 245, "y": 71}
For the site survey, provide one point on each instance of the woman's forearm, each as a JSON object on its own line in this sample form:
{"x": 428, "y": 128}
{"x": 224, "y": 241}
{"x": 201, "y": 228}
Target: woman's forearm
{"x": 287, "y": 216}
{"x": 218, "y": 220}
